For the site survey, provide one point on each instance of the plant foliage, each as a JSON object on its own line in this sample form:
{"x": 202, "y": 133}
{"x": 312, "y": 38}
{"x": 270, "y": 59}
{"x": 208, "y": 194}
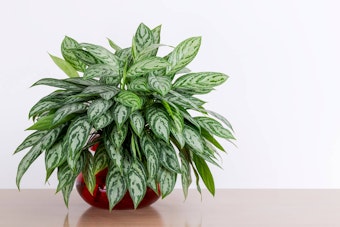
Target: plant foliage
{"x": 136, "y": 104}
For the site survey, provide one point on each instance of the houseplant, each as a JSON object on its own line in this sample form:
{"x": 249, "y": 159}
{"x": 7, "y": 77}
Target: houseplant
{"x": 134, "y": 106}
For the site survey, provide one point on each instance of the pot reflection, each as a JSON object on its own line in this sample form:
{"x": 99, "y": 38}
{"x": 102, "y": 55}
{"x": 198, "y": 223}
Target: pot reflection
{"x": 147, "y": 216}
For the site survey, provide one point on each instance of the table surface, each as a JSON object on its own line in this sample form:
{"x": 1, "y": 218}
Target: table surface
{"x": 229, "y": 207}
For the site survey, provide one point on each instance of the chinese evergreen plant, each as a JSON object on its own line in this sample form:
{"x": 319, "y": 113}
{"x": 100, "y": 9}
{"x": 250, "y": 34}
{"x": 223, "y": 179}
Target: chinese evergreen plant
{"x": 135, "y": 105}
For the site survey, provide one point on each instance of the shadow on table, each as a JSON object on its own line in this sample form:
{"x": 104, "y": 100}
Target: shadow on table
{"x": 147, "y": 216}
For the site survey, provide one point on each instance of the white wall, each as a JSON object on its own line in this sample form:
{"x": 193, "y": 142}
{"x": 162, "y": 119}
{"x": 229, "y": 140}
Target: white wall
{"x": 282, "y": 96}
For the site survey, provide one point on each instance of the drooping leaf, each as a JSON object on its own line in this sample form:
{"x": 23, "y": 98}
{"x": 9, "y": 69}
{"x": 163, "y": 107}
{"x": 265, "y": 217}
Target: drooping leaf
{"x": 88, "y": 172}
{"x": 31, "y": 140}
{"x": 58, "y": 83}
{"x": 193, "y": 139}
{"x": 184, "y": 101}
{"x": 45, "y": 122}
{"x": 102, "y": 54}
{"x": 48, "y": 140}
{"x": 115, "y": 154}
{"x": 66, "y": 110}
{"x": 205, "y": 173}
{"x": 121, "y": 113}
{"x": 167, "y": 181}
{"x": 136, "y": 183}
{"x": 160, "y": 84}
{"x": 142, "y": 39}
{"x": 146, "y": 65}
{"x": 186, "y": 174}
{"x": 183, "y": 54}
{"x": 98, "y": 107}
{"x": 54, "y": 157}
{"x": 151, "y": 153}
{"x": 129, "y": 99}
{"x": 103, "y": 120}
{"x": 214, "y": 127}
{"x": 178, "y": 136}
{"x": 82, "y": 81}
{"x": 158, "y": 122}
{"x": 202, "y": 80}
{"x": 66, "y": 49}
{"x": 115, "y": 185}
{"x": 211, "y": 139}
{"x": 117, "y": 135}
{"x": 100, "y": 71}
{"x": 221, "y": 118}
{"x": 100, "y": 160}
{"x": 104, "y": 91}
{"x": 65, "y": 176}
{"x": 65, "y": 66}
{"x": 66, "y": 190}
{"x": 168, "y": 157}
{"x": 137, "y": 122}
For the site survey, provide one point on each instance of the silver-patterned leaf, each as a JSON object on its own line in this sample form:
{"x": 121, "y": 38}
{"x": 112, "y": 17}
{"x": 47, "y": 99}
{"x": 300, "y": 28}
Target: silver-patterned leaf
{"x": 102, "y": 54}
{"x": 142, "y": 39}
{"x": 156, "y": 33}
{"x": 136, "y": 183}
{"x": 88, "y": 172}
{"x": 178, "y": 136}
{"x": 101, "y": 70}
{"x": 65, "y": 66}
{"x": 221, "y": 118}
{"x": 31, "y": 140}
{"x": 117, "y": 135}
{"x": 130, "y": 99}
{"x": 98, "y": 107}
{"x": 76, "y": 137}
{"x": 108, "y": 95}
{"x": 27, "y": 160}
{"x": 82, "y": 81}
{"x": 160, "y": 84}
{"x": 186, "y": 174}
{"x": 147, "y": 65}
{"x": 202, "y": 80}
{"x": 183, "y": 54}
{"x": 66, "y": 190}
{"x": 139, "y": 84}
{"x": 66, "y": 49}
{"x": 110, "y": 80}
{"x": 184, "y": 101}
{"x": 124, "y": 55}
{"x": 85, "y": 56}
{"x": 168, "y": 157}
{"x": 67, "y": 110}
{"x": 65, "y": 176}
{"x": 48, "y": 140}
{"x": 101, "y": 160}
{"x": 193, "y": 139}
{"x": 214, "y": 127}
{"x": 152, "y": 155}
{"x": 102, "y": 90}
{"x": 58, "y": 83}
{"x": 103, "y": 120}
{"x": 54, "y": 157}
{"x": 121, "y": 113}
{"x": 113, "y": 45}
{"x": 115, "y": 154}
{"x": 189, "y": 118}
{"x": 167, "y": 180}
{"x": 115, "y": 185}
{"x": 158, "y": 122}
{"x": 137, "y": 122}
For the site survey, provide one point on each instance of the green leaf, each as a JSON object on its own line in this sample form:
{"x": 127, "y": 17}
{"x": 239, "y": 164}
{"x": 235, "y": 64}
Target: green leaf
{"x": 88, "y": 172}
{"x": 120, "y": 114}
{"x": 86, "y": 57}
{"x": 178, "y": 136}
{"x": 76, "y": 137}
{"x": 54, "y": 157}
{"x": 193, "y": 139}
{"x": 45, "y": 122}
{"x": 97, "y": 108}
{"x": 142, "y": 39}
{"x": 100, "y": 160}
{"x": 101, "y": 70}
{"x": 31, "y": 140}
{"x": 214, "y": 127}
{"x": 211, "y": 139}
{"x": 168, "y": 157}
{"x": 66, "y": 190}
{"x": 115, "y": 154}
{"x": 58, "y": 83}
{"x": 186, "y": 174}
{"x": 129, "y": 99}
{"x": 66, "y": 110}
{"x": 66, "y": 49}
{"x": 147, "y": 65}
{"x": 158, "y": 122}
{"x": 183, "y": 54}
{"x": 115, "y": 185}
{"x": 167, "y": 181}
{"x": 156, "y": 33}
{"x": 27, "y": 160}
{"x": 137, "y": 122}
{"x": 205, "y": 173}
{"x": 65, "y": 175}
{"x": 139, "y": 84}
{"x": 160, "y": 84}
{"x": 202, "y": 80}
{"x": 113, "y": 45}
{"x": 137, "y": 183}
{"x": 103, "y": 120}
{"x": 151, "y": 154}
{"x": 102, "y": 54}
{"x": 65, "y": 66}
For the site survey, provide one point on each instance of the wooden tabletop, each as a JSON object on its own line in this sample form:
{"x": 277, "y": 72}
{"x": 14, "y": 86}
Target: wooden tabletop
{"x": 230, "y": 207}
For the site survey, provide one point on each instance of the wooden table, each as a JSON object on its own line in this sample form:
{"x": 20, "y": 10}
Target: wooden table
{"x": 230, "y": 207}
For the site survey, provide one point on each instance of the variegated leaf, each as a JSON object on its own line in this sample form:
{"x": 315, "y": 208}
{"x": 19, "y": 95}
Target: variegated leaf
{"x": 152, "y": 183}
{"x": 88, "y": 172}
{"x": 178, "y": 120}
{"x": 130, "y": 99}
{"x": 102, "y": 54}
{"x": 66, "y": 49}
{"x": 167, "y": 181}
{"x": 137, "y": 122}
{"x": 103, "y": 120}
{"x": 221, "y": 118}
{"x": 136, "y": 184}
{"x": 54, "y": 157}
{"x": 65, "y": 176}
{"x": 76, "y": 137}
{"x": 150, "y": 51}
{"x": 101, "y": 160}
{"x": 121, "y": 113}
{"x": 115, "y": 185}
{"x": 115, "y": 154}
{"x": 27, "y": 160}
{"x": 101, "y": 70}
{"x": 65, "y": 66}
{"x": 214, "y": 127}
{"x": 156, "y": 33}
{"x": 117, "y": 135}
{"x": 184, "y": 101}
{"x": 190, "y": 119}
{"x": 58, "y": 83}
{"x": 193, "y": 139}
{"x": 139, "y": 84}
{"x": 158, "y": 122}
{"x": 86, "y": 57}
{"x": 183, "y": 54}
{"x": 108, "y": 95}
{"x": 124, "y": 54}
{"x": 77, "y": 99}
{"x": 110, "y": 80}
{"x": 152, "y": 155}
{"x": 100, "y": 90}
{"x": 186, "y": 174}
{"x": 168, "y": 157}
{"x": 178, "y": 136}
{"x": 98, "y": 107}
{"x": 48, "y": 140}
{"x": 147, "y": 65}
{"x": 82, "y": 81}
{"x": 67, "y": 110}
{"x": 211, "y": 139}
{"x": 205, "y": 173}
{"x": 113, "y": 45}
{"x": 134, "y": 147}
{"x": 31, "y": 140}
{"x": 142, "y": 39}
{"x": 160, "y": 84}
{"x": 66, "y": 190}
{"x": 202, "y": 80}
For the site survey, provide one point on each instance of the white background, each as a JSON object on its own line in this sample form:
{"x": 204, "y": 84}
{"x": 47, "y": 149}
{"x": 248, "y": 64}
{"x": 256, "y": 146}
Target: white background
{"x": 282, "y": 96}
